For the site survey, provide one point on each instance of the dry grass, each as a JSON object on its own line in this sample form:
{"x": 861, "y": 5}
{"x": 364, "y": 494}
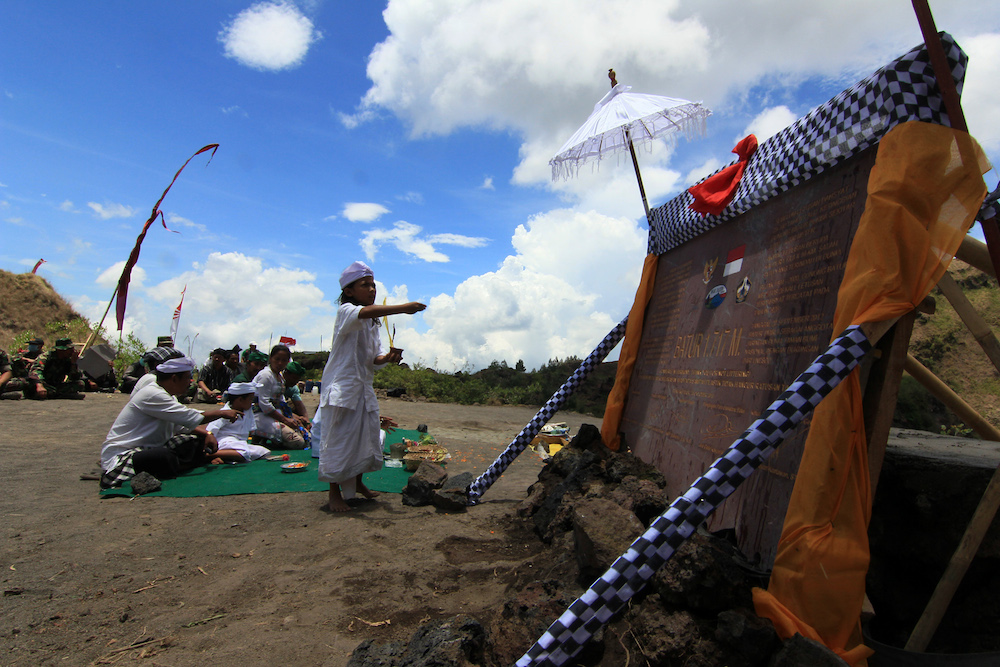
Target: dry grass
{"x": 28, "y": 304}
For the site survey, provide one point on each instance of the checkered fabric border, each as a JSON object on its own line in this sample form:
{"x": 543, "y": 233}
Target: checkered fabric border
{"x": 667, "y": 532}
{"x": 857, "y": 118}
{"x": 524, "y": 438}
{"x": 991, "y": 207}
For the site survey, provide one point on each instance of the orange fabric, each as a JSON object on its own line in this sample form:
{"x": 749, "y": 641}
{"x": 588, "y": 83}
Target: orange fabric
{"x": 714, "y": 193}
{"x": 922, "y": 199}
{"x": 615, "y": 408}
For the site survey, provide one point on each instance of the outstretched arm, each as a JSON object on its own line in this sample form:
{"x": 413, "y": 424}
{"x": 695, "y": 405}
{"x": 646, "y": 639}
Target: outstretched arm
{"x": 374, "y": 311}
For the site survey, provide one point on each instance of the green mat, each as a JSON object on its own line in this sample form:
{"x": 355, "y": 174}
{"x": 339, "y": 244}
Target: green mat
{"x": 262, "y": 476}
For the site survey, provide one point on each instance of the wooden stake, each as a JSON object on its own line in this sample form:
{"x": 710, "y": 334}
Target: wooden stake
{"x": 972, "y": 319}
{"x": 953, "y": 401}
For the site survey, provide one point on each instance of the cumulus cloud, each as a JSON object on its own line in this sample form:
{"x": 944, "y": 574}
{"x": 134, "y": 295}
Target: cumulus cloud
{"x": 234, "y": 298}
{"x": 981, "y": 94}
{"x": 536, "y": 307}
{"x": 538, "y": 68}
{"x": 406, "y": 237}
{"x": 269, "y": 36}
{"x": 487, "y": 184}
{"x": 110, "y": 276}
{"x": 109, "y": 210}
{"x": 363, "y": 212}
{"x": 768, "y": 123}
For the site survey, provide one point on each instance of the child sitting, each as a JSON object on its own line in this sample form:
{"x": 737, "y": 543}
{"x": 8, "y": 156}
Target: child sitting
{"x": 232, "y": 437}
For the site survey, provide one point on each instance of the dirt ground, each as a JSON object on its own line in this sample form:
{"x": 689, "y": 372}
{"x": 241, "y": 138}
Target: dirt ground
{"x": 238, "y": 580}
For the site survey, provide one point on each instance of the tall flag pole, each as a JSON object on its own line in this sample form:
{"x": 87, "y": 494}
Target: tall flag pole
{"x": 177, "y": 316}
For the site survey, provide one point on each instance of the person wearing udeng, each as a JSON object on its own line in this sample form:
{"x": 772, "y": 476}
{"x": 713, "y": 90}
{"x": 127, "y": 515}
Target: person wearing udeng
{"x": 349, "y": 408}
{"x": 232, "y": 436}
{"x": 154, "y": 433}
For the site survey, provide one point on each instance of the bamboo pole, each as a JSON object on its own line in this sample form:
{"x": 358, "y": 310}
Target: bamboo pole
{"x": 953, "y": 401}
{"x": 975, "y": 253}
{"x": 973, "y": 320}
{"x": 93, "y": 331}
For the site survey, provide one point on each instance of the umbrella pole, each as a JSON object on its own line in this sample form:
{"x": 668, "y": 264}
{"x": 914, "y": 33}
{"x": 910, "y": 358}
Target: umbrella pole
{"x": 638, "y": 177}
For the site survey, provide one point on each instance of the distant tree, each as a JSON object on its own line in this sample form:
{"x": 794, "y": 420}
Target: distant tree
{"x": 519, "y": 367}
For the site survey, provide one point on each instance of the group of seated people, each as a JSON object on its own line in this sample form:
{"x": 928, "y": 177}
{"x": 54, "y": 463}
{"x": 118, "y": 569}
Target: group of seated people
{"x": 156, "y": 433}
{"x": 31, "y": 374}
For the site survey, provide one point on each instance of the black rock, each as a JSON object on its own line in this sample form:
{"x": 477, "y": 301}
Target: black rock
{"x": 144, "y": 483}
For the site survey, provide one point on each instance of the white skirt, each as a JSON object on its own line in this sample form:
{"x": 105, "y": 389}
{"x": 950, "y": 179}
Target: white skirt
{"x": 247, "y": 451}
{"x": 350, "y": 443}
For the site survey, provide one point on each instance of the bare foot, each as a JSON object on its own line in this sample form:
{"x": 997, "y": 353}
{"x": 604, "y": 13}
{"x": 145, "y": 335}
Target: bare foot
{"x": 335, "y": 506}
{"x": 217, "y": 461}
{"x": 366, "y": 492}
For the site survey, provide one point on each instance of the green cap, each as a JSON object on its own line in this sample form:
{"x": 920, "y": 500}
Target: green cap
{"x": 64, "y": 344}
{"x": 257, "y": 355}
{"x": 295, "y": 368}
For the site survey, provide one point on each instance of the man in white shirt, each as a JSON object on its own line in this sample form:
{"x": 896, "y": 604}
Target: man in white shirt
{"x": 154, "y": 433}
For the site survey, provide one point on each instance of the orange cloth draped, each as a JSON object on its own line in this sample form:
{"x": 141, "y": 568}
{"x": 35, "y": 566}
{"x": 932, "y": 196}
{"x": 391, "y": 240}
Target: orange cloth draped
{"x": 922, "y": 199}
{"x": 714, "y": 193}
{"x": 615, "y": 408}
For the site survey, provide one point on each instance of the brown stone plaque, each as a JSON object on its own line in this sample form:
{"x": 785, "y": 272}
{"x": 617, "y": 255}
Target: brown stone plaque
{"x": 736, "y": 314}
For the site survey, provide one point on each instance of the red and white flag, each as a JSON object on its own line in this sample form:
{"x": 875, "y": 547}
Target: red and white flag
{"x": 38, "y": 264}
{"x": 285, "y": 340}
{"x": 734, "y": 261}
{"x": 177, "y": 315}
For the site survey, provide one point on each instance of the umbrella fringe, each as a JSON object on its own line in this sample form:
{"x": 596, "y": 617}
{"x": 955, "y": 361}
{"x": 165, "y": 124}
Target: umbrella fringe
{"x": 689, "y": 120}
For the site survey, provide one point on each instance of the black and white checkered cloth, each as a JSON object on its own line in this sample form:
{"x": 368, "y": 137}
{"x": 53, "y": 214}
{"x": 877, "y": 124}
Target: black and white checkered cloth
{"x": 552, "y": 406}
{"x": 667, "y": 532}
{"x": 857, "y": 118}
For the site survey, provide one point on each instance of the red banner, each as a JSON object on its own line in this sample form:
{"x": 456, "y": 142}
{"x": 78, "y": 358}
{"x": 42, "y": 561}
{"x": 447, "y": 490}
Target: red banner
{"x": 177, "y": 315}
{"x": 134, "y": 257}
{"x": 38, "y": 264}
{"x": 285, "y": 340}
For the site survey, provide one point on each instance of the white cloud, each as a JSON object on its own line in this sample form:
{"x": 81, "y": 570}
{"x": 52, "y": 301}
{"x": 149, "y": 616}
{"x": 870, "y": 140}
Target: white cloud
{"x": 109, "y": 210}
{"x": 981, "y": 94}
{"x": 768, "y": 123}
{"x": 110, "y": 276}
{"x": 487, "y": 184}
{"x": 67, "y": 206}
{"x": 571, "y": 280}
{"x": 412, "y": 197}
{"x": 174, "y": 220}
{"x": 538, "y": 68}
{"x": 363, "y": 212}
{"x": 405, "y": 236}
{"x": 269, "y": 36}
{"x": 234, "y": 298}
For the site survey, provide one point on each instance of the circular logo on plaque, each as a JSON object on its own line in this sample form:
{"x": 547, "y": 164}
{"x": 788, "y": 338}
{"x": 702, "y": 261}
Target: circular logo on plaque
{"x": 716, "y": 296}
{"x": 743, "y": 290}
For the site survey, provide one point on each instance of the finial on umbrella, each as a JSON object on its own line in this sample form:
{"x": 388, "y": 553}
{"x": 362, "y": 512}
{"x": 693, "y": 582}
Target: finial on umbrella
{"x": 611, "y": 75}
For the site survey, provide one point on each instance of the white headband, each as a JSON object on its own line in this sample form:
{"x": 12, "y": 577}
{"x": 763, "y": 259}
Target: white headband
{"x": 353, "y": 272}
{"x": 241, "y": 388}
{"x": 178, "y": 365}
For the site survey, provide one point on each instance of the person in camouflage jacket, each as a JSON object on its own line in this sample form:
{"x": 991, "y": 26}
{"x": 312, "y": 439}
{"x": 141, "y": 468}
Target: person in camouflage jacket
{"x": 59, "y": 374}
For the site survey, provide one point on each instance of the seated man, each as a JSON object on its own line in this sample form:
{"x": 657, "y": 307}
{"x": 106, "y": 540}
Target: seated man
{"x": 6, "y": 373}
{"x": 214, "y": 377}
{"x": 148, "y": 362}
{"x": 154, "y": 433}
{"x": 233, "y": 362}
{"x": 59, "y": 373}
{"x": 294, "y": 373}
{"x": 255, "y": 363}
{"x": 25, "y": 366}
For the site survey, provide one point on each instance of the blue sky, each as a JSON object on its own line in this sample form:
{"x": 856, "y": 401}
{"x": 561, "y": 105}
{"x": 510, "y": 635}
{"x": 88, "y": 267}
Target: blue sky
{"x": 413, "y": 135}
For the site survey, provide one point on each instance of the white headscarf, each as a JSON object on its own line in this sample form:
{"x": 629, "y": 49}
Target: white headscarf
{"x": 241, "y": 388}
{"x": 353, "y": 272}
{"x": 178, "y": 365}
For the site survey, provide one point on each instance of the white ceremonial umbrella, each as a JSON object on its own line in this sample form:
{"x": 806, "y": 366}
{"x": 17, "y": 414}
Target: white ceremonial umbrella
{"x": 622, "y": 118}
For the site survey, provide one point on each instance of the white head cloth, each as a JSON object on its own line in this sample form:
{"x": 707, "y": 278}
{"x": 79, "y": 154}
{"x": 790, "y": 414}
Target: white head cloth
{"x": 241, "y": 388}
{"x": 178, "y": 365}
{"x": 353, "y": 272}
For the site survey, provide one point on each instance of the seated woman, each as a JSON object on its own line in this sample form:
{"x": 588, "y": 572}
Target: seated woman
{"x": 233, "y": 436}
{"x": 271, "y": 423}
{"x": 154, "y": 433}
